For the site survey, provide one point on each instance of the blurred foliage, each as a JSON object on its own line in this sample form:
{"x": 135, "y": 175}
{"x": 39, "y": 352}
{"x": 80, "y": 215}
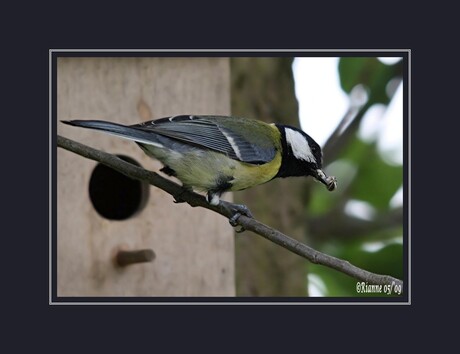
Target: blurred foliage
{"x": 386, "y": 260}
{"x": 365, "y": 176}
{"x": 371, "y": 73}
{"x": 375, "y": 181}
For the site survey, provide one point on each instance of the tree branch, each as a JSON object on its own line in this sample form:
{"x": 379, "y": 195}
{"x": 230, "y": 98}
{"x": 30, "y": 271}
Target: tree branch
{"x": 349, "y": 227}
{"x": 224, "y": 208}
{"x": 344, "y": 132}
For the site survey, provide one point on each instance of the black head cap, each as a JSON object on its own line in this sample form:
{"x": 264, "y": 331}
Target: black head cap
{"x": 302, "y": 156}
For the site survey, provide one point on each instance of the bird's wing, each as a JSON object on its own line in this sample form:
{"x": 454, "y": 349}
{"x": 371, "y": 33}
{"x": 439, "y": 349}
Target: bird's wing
{"x": 209, "y": 132}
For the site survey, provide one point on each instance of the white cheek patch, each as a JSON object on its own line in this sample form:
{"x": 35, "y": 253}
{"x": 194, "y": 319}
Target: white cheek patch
{"x": 299, "y": 145}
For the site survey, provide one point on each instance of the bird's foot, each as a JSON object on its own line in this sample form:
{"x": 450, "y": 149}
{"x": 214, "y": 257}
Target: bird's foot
{"x": 237, "y": 210}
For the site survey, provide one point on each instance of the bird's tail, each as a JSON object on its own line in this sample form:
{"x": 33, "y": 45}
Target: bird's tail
{"x": 136, "y": 134}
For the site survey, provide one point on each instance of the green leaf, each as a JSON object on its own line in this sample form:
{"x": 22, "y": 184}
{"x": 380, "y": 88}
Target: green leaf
{"x": 371, "y": 73}
{"x": 375, "y": 181}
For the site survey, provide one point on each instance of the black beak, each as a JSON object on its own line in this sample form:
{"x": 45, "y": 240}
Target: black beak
{"x": 329, "y": 181}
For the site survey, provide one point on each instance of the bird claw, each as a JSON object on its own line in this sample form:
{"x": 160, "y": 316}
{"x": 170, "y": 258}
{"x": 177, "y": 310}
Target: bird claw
{"x": 234, "y": 222}
{"x": 239, "y": 210}
{"x": 234, "y": 219}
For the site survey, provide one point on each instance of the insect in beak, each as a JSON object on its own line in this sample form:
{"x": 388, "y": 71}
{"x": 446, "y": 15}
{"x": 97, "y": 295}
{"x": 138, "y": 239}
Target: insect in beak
{"x": 329, "y": 181}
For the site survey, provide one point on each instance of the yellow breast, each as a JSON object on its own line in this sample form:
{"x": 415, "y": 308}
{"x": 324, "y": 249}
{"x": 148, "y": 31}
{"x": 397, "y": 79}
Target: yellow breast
{"x": 247, "y": 175}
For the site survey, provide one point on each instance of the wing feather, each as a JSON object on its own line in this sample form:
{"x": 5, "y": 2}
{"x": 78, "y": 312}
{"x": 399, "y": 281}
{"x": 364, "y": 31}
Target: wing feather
{"x": 208, "y": 132}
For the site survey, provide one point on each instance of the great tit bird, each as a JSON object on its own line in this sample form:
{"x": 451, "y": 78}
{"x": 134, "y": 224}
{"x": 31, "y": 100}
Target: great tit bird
{"x": 215, "y": 154}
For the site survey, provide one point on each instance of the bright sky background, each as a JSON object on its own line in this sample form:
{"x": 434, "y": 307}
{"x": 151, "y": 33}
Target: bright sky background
{"x": 322, "y": 104}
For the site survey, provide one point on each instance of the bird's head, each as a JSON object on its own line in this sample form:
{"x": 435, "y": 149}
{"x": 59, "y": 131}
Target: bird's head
{"x": 302, "y": 156}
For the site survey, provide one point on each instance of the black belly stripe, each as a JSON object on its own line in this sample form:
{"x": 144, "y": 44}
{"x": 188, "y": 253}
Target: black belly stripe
{"x": 223, "y": 184}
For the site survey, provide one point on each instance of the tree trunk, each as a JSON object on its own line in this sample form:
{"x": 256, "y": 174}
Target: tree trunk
{"x": 263, "y": 88}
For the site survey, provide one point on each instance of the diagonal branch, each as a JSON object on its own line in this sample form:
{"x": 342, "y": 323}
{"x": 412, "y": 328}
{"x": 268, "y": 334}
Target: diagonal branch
{"x": 224, "y": 208}
{"x": 348, "y": 227}
{"x": 344, "y": 132}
